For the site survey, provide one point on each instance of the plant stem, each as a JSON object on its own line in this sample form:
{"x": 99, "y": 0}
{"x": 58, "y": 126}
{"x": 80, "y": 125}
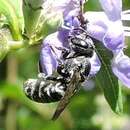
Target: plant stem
{"x": 15, "y": 44}
{"x": 10, "y": 121}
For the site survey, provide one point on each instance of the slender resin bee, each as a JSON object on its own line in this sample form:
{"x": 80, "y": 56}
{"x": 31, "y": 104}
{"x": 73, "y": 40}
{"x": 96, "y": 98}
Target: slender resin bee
{"x": 76, "y": 57}
{"x": 71, "y": 71}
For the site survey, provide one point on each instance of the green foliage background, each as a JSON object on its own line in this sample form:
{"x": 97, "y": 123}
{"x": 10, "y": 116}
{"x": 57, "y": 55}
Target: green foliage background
{"x": 88, "y": 109}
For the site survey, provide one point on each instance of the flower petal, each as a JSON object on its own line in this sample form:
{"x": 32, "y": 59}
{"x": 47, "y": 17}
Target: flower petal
{"x": 49, "y": 52}
{"x": 88, "y": 85}
{"x": 98, "y": 18}
{"x": 95, "y": 64}
{"x": 47, "y": 61}
{"x": 67, "y": 7}
{"x": 96, "y": 31}
{"x": 71, "y": 22}
{"x": 121, "y": 68}
{"x": 98, "y": 24}
{"x": 109, "y": 32}
{"x": 114, "y": 37}
{"x": 112, "y": 8}
{"x": 72, "y": 7}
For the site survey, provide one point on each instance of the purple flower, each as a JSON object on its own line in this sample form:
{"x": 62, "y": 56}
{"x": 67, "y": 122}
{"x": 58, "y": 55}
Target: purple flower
{"x": 49, "y": 51}
{"x": 108, "y": 28}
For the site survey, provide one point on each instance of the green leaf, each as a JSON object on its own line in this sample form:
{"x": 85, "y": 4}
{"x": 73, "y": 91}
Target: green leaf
{"x": 9, "y": 11}
{"x": 108, "y": 81}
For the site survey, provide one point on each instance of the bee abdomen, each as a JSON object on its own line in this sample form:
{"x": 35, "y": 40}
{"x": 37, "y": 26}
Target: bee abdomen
{"x": 44, "y": 91}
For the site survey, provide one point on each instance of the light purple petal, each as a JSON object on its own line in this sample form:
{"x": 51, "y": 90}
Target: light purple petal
{"x": 88, "y": 85}
{"x": 109, "y": 32}
{"x": 96, "y": 31}
{"x": 121, "y": 68}
{"x": 47, "y": 60}
{"x": 49, "y": 52}
{"x": 65, "y": 7}
{"x": 95, "y": 64}
{"x": 98, "y": 18}
{"x": 72, "y": 8}
{"x": 68, "y": 7}
{"x": 112, "y": 8}
{"x": 98, "y": 24}
{"x": 71, "y": 22}
{"x": 114, "y": 37}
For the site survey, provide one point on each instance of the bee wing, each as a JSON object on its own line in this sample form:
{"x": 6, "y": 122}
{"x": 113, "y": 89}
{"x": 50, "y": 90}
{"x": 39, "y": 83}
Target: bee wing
{"x": 71, "y": 90}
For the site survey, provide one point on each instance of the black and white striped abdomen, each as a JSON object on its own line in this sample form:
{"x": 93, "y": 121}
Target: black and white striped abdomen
{"x": 44, "y": 91}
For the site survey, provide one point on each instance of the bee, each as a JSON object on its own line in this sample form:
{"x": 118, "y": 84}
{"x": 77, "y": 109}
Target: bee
{"x": 70, "y": 73}
{"x": 76, "y": 57}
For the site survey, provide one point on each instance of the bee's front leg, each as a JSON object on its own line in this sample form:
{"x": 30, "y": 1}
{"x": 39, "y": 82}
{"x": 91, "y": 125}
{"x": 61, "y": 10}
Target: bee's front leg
{"x": 85, "y": 71}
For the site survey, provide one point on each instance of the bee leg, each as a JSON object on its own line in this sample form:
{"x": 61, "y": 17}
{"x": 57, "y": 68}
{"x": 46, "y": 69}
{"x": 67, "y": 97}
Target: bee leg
{"x": 62, "y": 71}
{"x": 56, "y": 79}
{"x": 65, "y": 52}
{"x": 85, "y": 70}
{"x": 42, "y": 76}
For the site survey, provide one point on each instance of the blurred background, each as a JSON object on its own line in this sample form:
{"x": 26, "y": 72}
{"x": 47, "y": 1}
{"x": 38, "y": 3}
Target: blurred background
{"x": 88, "y": 109}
